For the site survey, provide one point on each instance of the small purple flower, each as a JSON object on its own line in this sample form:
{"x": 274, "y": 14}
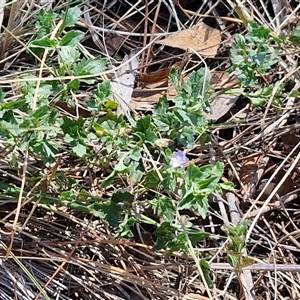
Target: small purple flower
{"x": 178, "y": 159}
{"x": 207, "y": 110}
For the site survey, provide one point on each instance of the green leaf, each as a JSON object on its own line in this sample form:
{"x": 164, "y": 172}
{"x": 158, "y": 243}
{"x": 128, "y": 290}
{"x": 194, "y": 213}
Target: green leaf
{"x": 208, "y": 184}
{"x": 75, "y": 134}
{"x": 252, "y": 54}
{"x": 109, "y": 179}
{"x": 119, "y": 168}
{"x": 99, "y": 130}
{"x": 17, "y": 104}
{"x": 136, "y": 154}
{"x": 152, "y": 179}
{"x": 167, "y": 239}
{"x": 227, "y": 186}
{"x": 294, "y": 36}
{"x": 233, "y": 259}
{"x": 43, "y": 149}
{"x": 2, "y": 95}
{"x": 175, "y": 79}
{"x": 196, "y": 174}
{"x": 9, "y": 188}
{"x": 71, "y": 17}
{"x": 45, "y": 21}
{"x": 44, "y": 43}
{"x": 205, "y": 269}
{"x": 239, "y": 230}
{"x": 75, "y": 128}
{"x": 163, "y": 207}
{"x": 294, "y": 93}
{"x": 179, "y": 242}
{"x": 125, "y": 228}
{"x": 260, "y": 97}
{"x": 79, "y": 149}
{"x": 110, "y": 104}
{"x": 110, "y": 211}
{"x": 10, "y": 123}
{"x": 144, "y": 130}
{"x": 136, "y": 170}
{"x": 122, "y": 196}
{"x": 71, "y": 38}
{"x": 65, "y": 195}
{"x": 198, "y": 83}
{"x": 45, "y": 90}
{"x": 197, "y": 236}
{"x": 257, "y": 33}
{"x": 169, "y": 183}
{"x": 186, "y": 138}
{"x": 68, "y": 56}
{"x": 165, "y": 234}
{"x": 76, "y": 206}
{"x": 103, "y": 91}
{"x": 73, "y": 85}
{"x": 101, "y": 98}
{"x": 161, "y": 107}
{"x": 199, "y": 202}
{"x": 41, "y": 112}
{"x": 90, "y": 66}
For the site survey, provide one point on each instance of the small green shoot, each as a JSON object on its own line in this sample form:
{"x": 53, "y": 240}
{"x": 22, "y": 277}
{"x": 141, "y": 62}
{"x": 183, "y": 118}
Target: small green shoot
{"x": 234, "y": 248}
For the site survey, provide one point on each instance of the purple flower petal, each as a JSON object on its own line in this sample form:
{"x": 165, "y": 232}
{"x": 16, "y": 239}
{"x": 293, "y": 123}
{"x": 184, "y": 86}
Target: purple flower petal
{"x": 178, "y": 159}
{"x": 207, "y": 110}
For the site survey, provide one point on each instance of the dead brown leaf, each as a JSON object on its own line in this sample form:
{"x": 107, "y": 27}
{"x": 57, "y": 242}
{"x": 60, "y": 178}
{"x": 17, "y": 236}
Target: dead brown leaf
{"x": 122, "y": 86}
{"x": 223, "y": 80}
{"x": 156, "y": 76}
{"x": 249, "y": 175}
{"x": 285, "y": 188}
{"x": 288, "y": 184}
{"x": 202, "y": 38}
{"x": 150, "y": 94}
{"x": 221, "y": 105}
{"x": 290, "y": 140}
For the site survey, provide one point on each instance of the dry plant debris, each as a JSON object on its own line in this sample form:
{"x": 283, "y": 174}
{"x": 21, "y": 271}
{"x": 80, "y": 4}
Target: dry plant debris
{"x": 202, "y": 38}
{"x": 125, "y": 193}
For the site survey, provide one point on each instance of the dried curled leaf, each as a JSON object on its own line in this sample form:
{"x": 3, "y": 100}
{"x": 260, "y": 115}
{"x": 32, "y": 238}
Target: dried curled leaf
{"x": 122, "y": 86}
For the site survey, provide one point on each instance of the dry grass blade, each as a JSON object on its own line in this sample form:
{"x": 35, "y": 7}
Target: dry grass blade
{"x": 12, "y": 18}
{"x": 2, "y": 6}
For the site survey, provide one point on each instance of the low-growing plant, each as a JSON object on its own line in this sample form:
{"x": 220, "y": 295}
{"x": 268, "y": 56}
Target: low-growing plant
{"x": 235, "y": 249}
{"x": 254, "y": 53}
{"x": 173, "y": 184}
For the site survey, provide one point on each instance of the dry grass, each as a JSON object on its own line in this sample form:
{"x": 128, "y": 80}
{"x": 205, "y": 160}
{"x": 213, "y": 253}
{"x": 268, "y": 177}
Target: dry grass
{"x": 73, "y": 255}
